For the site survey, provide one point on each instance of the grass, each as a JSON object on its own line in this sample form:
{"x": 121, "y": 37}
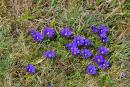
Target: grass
{"x": 17, "y": 48}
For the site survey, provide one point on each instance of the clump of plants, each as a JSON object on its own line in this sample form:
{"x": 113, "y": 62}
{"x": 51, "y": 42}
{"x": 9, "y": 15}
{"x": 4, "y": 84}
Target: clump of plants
{"x": 78, "y": 46}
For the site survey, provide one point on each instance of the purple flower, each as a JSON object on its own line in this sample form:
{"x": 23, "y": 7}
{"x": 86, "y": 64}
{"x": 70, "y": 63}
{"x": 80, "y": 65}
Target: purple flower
{"x": 66, "y": 32}
{"x": 79, "y": 40}
{"x": 102, "y": 28}
{"x": 104, "y": 65}
{"x": 103, "y": 34}
{"x": 49, "y": 85}
{"x": 85, "y": 53}
{"x": 37, "y": 36}
{"x": 49, "y": 54}
{"x": 103, "y": 50}
{"x": 30, "y": 68}
{"x": 102, "y": 31}
{"x": 91, "y": 70}
{"x": 104, "y": 39}
{"x": 87, "y": 42}
{"x": 48, "y": 32}
{"x": 69, "y": 45}
{"x": 32, "y": 31}
{"x": 94, "y": 29}
{"x": 98, "y": 59}
{"x": 74, "y": 51}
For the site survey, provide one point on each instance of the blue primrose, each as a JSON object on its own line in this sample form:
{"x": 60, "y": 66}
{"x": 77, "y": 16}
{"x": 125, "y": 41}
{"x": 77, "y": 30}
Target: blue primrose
{"x": 104, "y": 39}
{"x": 50, "y": 85}
{"x": 102, "y": 30}
{"x": 98, "y": 59}
{"x": 104, "y": 65}
{"x": 87, "y": 42}
{"x": 30, "y": 69}
{"x": 69, "y": 45}
{"x": 94, "y": 29}
{"x": 91, "y": 70}
{"x": 49, "y": 54}
{"x": 85, "y": 53}
{"x": 79, "y": 40}
{"x": 103, "y": 50}
{"x": 103, "y": 34}
{"x": 74, "y": 51}
{"x": 48, "y": 32}
{"x": 66, "y": 32}
{"x": 32, "y": 31}
{"x": 37, "y": 36}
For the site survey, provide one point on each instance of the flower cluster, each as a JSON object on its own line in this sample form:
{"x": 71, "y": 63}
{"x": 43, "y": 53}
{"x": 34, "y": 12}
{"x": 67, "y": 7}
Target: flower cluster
{"x": 102, "y": 31}
{"x": 77, "y": 42}
{"x": 78, "y": 46}
{"x": 101, "y": 62}
{"x": 37, "y": 36}
{"x": 102, "y": 51}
